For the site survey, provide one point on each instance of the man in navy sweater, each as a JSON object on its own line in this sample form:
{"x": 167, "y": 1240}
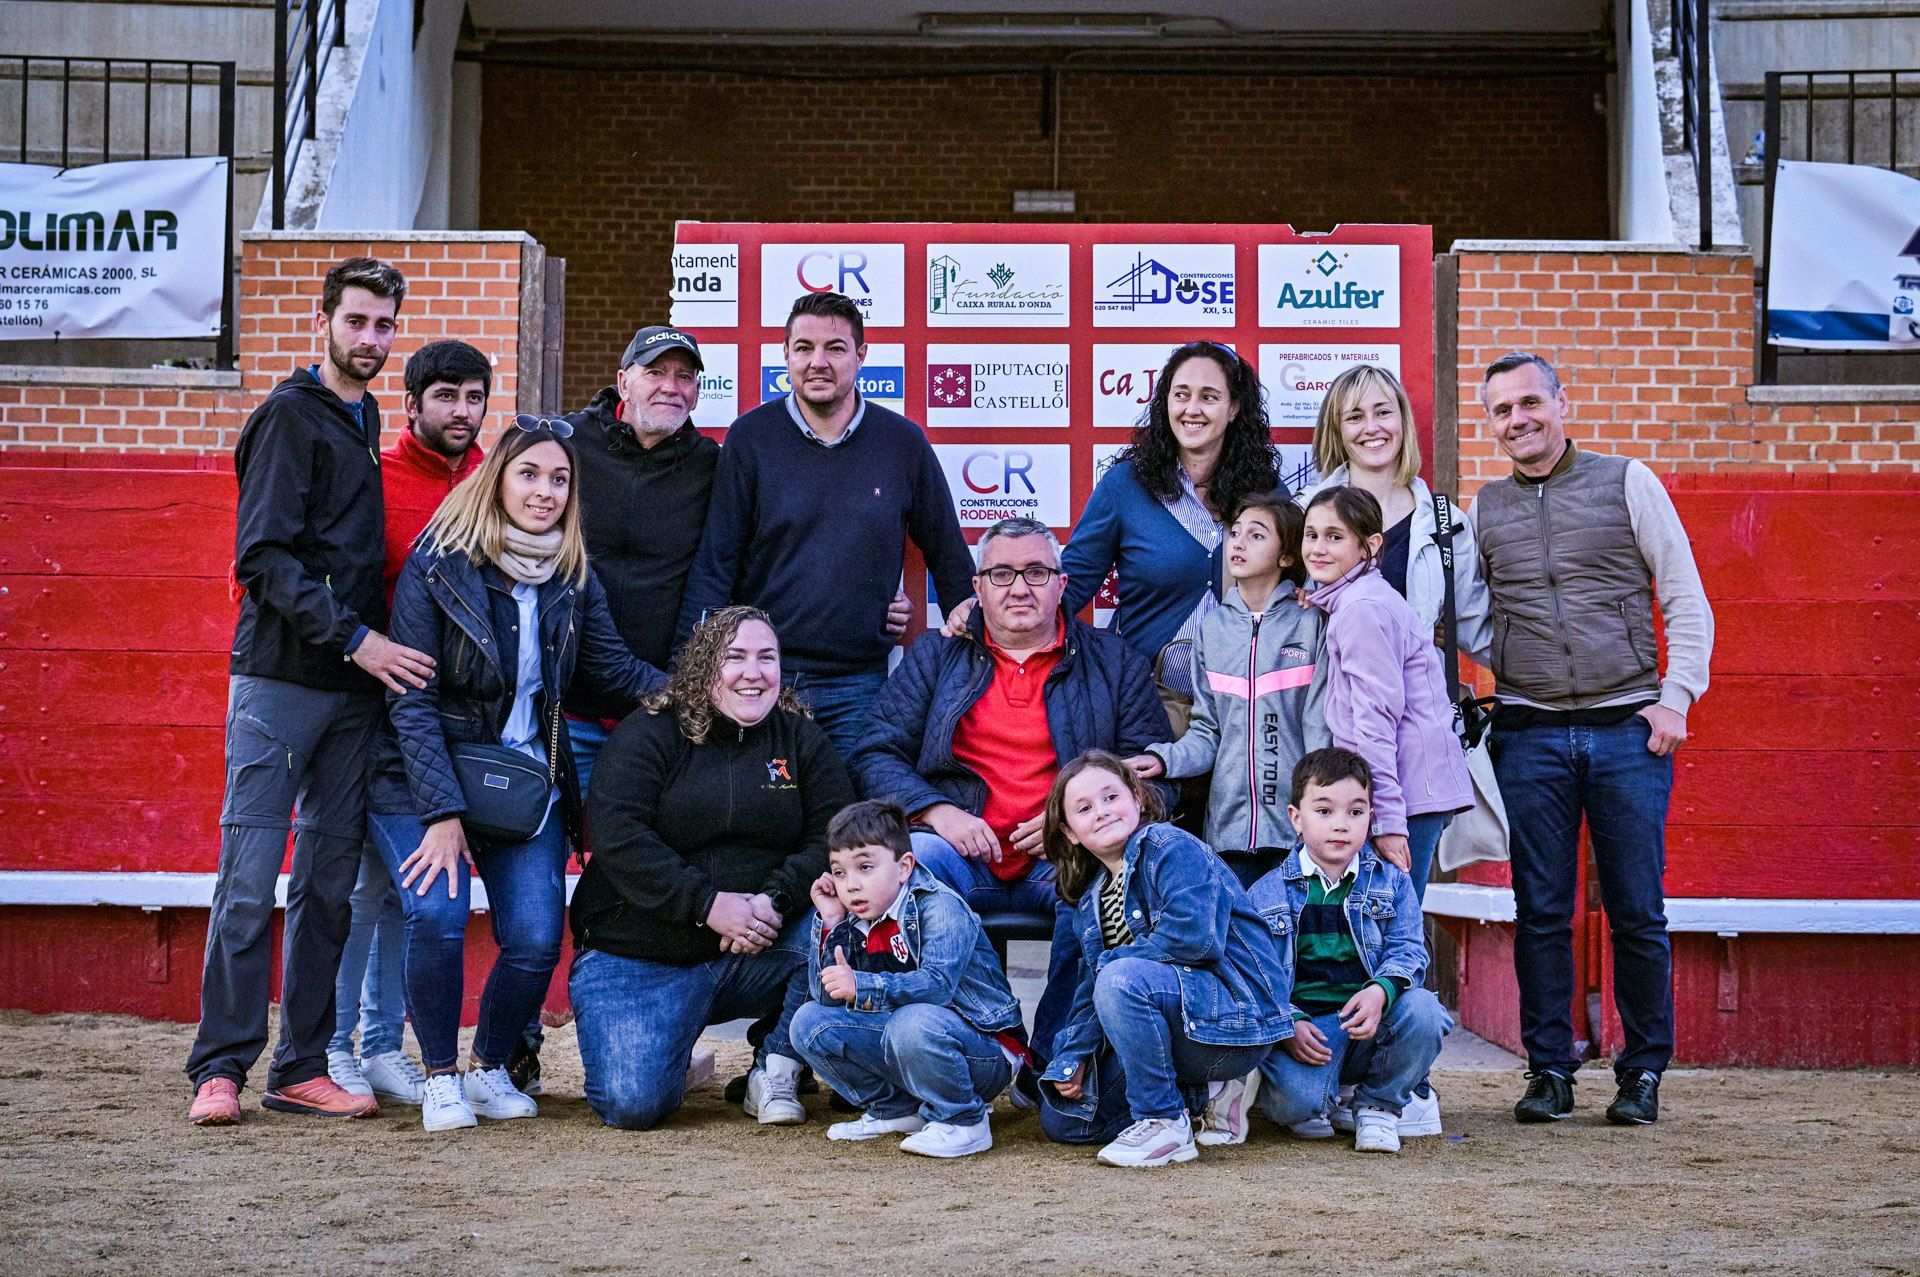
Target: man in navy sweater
{"x": 815, "y": 496}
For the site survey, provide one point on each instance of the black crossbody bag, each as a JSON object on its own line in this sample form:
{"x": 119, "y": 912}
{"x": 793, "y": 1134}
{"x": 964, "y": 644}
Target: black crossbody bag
{"x": 507, "y": 792}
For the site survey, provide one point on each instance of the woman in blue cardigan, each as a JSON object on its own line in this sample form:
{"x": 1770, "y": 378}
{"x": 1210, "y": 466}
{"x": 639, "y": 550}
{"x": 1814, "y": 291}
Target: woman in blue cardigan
{"x": 1158, "y": 514}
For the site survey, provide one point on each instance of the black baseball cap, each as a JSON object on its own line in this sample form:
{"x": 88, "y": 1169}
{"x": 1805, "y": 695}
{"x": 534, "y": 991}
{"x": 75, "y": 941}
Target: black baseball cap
{"x": 650, "y": 343}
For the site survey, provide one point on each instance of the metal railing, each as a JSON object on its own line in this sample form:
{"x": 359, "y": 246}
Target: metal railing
{"x": 1835, "y": 117}
{"x": 1692, "y": 47}
{"x": 56, "y": 95}
{"x": 305, "y": 34}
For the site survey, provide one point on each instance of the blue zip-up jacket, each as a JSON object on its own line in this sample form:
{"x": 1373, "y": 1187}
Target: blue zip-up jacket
{"x": 1186, "y": 909}
{"x": 441, "y": 607}
{"x": 1383, "y": 915}
{"x": 956, "y": 966}
{"x": 1100, "y": 695}
{"x": 1163, "y": 570}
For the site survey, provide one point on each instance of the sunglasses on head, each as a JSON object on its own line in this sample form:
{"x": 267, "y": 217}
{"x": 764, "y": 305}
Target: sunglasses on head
{"x": 558, "y": 427}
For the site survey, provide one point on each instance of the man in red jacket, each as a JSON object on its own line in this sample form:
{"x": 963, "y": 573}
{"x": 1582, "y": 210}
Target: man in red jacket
{"x": 446, "y": 401}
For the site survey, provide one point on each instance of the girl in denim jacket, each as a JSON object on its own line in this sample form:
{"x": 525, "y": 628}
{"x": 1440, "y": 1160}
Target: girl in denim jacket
{"x": 1180, "y": 983}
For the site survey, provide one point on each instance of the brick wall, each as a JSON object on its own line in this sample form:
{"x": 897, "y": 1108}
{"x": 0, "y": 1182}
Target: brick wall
{"x": 644, "y": 148}
{"x": 460, "y": 284}
{"x": 1656, "y": 351}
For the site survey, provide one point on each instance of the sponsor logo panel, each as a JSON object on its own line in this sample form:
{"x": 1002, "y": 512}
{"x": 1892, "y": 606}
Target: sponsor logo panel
{"x": 874, "y": 276}
{"x": 1124, "y": 375}
{"x": 997, "y": 285}
{"x": 1329, "y": 286}
{"x": 706, "y": 286}
{"x": 883, "y": 378}
{"x": 1296, "y": 377}
{"x": 719, "y": 386}
{"x": 1163, "y": 285}
{"x": 991, "y": 482}
{"x": 1024, "y": 385}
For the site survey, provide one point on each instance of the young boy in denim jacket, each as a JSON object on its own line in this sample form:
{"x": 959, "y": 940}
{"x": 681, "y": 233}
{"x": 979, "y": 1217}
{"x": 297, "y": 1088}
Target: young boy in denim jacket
{"x": 1348, "y": 927}
{"x": 912, "y": 1017}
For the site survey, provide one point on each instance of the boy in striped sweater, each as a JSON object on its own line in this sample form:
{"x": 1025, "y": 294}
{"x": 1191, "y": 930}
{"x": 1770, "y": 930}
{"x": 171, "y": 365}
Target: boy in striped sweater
{"x": 1348, "y": 927}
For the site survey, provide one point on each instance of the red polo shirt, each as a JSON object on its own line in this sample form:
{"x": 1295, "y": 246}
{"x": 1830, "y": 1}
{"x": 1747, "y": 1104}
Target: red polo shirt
{"x": 414, "y": 480}
{"x": 1005, "y": 739}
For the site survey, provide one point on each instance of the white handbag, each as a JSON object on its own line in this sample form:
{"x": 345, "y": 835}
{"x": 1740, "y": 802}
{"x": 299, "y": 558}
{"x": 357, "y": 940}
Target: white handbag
{"x": 1479, "y": 833}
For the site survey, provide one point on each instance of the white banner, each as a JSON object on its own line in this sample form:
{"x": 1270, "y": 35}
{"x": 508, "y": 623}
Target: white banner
{"x": 137, "y": 249}
{"x": 1844, "y": 268}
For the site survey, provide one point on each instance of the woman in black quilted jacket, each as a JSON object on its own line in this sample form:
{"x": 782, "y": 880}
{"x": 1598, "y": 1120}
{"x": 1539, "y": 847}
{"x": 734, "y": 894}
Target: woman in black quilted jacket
{"x": 498, "y": 592}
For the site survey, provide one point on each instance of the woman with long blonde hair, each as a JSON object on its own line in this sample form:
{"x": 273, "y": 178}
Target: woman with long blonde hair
{"x": 498, "y": 593}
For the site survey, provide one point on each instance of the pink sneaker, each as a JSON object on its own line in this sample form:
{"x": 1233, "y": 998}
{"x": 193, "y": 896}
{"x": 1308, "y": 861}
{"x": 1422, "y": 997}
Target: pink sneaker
{"x": 216, "y": 1103}
{"x": 321, "y": 1097}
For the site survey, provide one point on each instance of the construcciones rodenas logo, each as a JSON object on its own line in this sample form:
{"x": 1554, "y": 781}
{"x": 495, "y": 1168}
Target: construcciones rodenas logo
{"x": 1163, "y": 285}
{"x": 1023, "y": 385}
{"x": 997, "y": 285}
{"x": 991, "y": 482}
{"x": 1330, "y": 286}
{"x": 873, "y": 276}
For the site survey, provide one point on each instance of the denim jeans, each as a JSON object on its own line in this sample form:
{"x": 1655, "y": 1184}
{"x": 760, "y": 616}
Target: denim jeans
{"x": 526, "y": 897}
{"x": 1138, "y": 1002}
{"x": 975, "y": 883}
{"x": 371, "y": 989}
{"x": 288, "y": 747}
{"x": 1550, "y": 777}
{"x": 637, "y": 1020}
{"x": 588, "y": 738}
{"x": 1423, "y": 840}
{"x": 919, "y": 1057}
{"x": 1384, "y": 1069}
{"x": 839, "y": 702}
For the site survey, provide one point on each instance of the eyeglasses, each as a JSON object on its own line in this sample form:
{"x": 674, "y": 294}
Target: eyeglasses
{"x": 1036, "y": 575}
{"x": 558, "y": 427}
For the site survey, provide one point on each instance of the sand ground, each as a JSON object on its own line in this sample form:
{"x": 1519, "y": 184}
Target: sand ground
{"x": 1748, "y": 1172}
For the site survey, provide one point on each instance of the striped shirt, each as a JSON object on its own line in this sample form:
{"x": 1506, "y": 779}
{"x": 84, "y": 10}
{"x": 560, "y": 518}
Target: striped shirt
{"x": 1114, "y": 931}
{"x": 1327, "y": 967}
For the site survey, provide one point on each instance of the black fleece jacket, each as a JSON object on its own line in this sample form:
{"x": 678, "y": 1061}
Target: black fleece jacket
{"x": 642, "y": 511}
{"x": 310, "y": 539}
{"x": 671, "y": 823}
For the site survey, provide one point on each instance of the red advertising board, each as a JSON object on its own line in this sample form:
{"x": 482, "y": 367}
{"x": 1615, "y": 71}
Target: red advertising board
{"x": 1030, "y": 350}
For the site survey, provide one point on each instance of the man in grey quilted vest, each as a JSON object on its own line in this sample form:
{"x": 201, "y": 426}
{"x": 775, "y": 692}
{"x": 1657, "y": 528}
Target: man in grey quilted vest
{"x": 1575, "y": 547}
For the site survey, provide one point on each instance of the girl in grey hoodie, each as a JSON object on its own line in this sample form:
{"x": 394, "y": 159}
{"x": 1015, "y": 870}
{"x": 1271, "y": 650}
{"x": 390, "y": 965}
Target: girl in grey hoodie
{"x": 1257, "y": 687}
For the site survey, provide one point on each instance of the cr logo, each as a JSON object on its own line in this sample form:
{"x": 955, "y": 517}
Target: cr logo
{"x": 847, "y": 263}
{"x": 1013, "y": 464}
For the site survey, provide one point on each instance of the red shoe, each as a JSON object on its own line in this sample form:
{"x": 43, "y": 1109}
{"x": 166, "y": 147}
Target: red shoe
{"x": 216, "y": 1103}
{"x": 321, "y": 1097}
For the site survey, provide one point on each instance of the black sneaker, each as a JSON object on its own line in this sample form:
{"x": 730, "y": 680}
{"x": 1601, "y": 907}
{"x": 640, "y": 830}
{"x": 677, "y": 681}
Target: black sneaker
{"x": 1549, "y": 1097}
{"x": 1638, "y": 1103}
{"x": 523, "y": 1067}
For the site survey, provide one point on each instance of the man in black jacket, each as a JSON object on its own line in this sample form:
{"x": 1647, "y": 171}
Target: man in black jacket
{"x": 645, "y": 475}
{"x": 309, "y": 550}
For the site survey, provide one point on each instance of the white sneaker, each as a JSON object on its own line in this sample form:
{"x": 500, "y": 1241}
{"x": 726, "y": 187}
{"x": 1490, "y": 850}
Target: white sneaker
{"x": 1314, "y": 1128}
{"x": 1230, "y": 1111}
{"x": 869, "y": 1127}
{"x": 492, "y": 1094}
{"x": 944, "y": 1139}
{"x": 344, "y": 1069}
{"x": 1374, "y": 1131}
{"x": 443, "y": 1104}
{"x": 1340, "y": 1112}
{"x": 773, "y": 1096}
{"x": 1421, "y": 1116}
{"x": 1153, "y": 1141}
{"x": 393, "y": 1076}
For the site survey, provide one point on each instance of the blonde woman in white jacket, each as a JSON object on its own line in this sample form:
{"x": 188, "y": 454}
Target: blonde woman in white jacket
{"x": 1365, "y": 437}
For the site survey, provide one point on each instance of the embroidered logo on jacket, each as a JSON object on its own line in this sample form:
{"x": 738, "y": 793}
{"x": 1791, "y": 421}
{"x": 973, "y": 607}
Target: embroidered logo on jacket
{"x": 777, "y": 770}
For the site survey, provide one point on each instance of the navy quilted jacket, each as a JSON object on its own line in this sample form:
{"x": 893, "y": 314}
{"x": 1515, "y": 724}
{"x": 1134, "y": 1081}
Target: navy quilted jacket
{"x": 441, "y": 607}
{"x": 1101, "y": 695}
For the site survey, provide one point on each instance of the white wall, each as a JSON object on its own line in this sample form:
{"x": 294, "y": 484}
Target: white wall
{"x": 1642, "y": 213}
{"x": 391, "y": 170}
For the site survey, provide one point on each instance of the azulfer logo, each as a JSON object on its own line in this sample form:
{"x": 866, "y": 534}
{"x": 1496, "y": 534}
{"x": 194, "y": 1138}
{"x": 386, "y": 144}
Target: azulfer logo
{"x": 1344, "y": 295}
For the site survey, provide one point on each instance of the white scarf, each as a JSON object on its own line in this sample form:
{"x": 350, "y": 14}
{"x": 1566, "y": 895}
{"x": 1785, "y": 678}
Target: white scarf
{"x": 530, "y": 559}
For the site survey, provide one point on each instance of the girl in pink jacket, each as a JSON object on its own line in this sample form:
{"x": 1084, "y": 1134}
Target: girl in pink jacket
{"x": 1386, "y": 694}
